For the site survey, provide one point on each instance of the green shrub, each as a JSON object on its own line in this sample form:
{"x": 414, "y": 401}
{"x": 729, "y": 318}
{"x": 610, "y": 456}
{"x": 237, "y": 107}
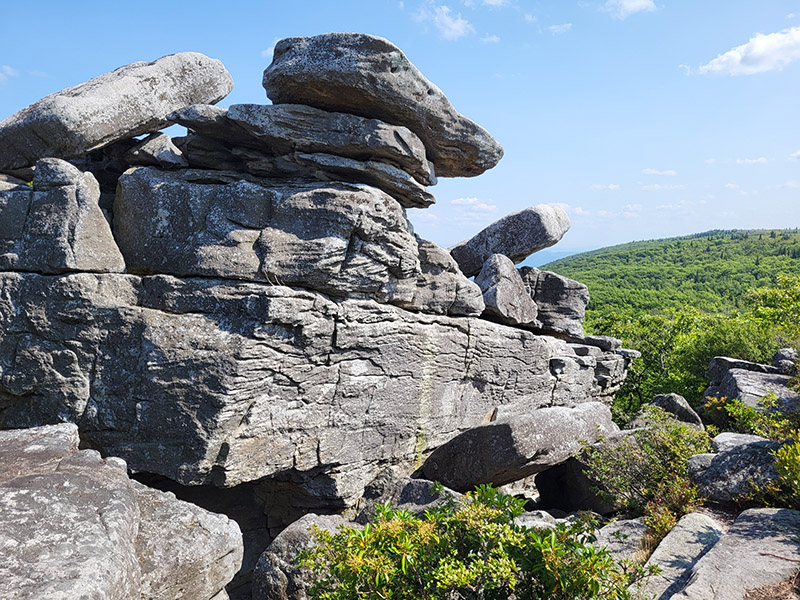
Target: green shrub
{"x": 764, "y": 420}
{"x": 645, "y": 473}
{"x": 471, "y": 549}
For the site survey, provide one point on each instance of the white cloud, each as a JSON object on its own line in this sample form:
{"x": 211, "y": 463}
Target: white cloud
{"x": 633, "y": 207}
{"x": 762, "y": 53}
{"x": 490, "y": 39}
{"x": 6, "y": 72}
{"x": 271, "y": 50}
{"x": 464, "y": 201}
{"x": 669, "y": 172}
{"x": 474, "y": 204}
{"x": 559, "y": 29}
{"x": 622, "y": 9}
{"x": 751, "y": 161}
{"x": 496, "y": 3}
{"x": 731, "y": 186}
{"x": 579, "y": 210}
{"x": 530, "y": 18}
{"x": 603, "y": 186}
{"x": 659, "y": 187}
{"x": 710, "y": 161}
{"x": 451, "y": 26}
{"x": 790, "y": 184}
{"x": 795, "y": 156}
{"x": 792, "y": 15}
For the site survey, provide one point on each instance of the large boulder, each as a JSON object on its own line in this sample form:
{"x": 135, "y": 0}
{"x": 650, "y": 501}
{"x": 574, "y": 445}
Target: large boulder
{"x": 730, "y": 476}
{"x": 73, "y": 525}
{"x": 509, "y": 449}
{"x": 760, "y": 549}
{"x": 127, "y": 102}
{"x": 624, "y": 539}
{"x": 674, "y": 404}
{"x": 277, "y": 575}
{"x": 224, "y": 382}
{"x": 751, "y": 386}
{"x": 504, "y": 293}
{"x": 676, "y": 555}
{"x": 278, "y": 130}
{"x": 369, "y": 76}
{"x": 561, "y": 301}
{"x": 57, "y": 225}
{"x": 517, "y": 235}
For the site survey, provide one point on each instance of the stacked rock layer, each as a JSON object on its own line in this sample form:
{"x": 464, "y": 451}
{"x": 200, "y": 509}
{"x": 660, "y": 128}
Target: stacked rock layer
{"x": 250, "y": 301}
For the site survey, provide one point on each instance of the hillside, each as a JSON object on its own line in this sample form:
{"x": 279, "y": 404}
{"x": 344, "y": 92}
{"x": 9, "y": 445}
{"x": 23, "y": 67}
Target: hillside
{"x": 709, "y": 271}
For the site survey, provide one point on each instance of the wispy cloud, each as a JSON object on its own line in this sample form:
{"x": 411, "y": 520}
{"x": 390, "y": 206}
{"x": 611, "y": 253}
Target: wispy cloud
{"x": 6, "y": 72}
{"x": 710, "y": 161}
{"x": 762, "y": 53}
{"x": 790, "y": 184}
{"x": 559, "y": 29}
{"x": 490, "y": 39}
{"x": 451, "y": 26}
{"x": 613, "y": 187}
{"x": 530, "y": 18}
{"x": 731, "y": 186}
{"x": 472, "y": 211}
{"x": 271, "y": 50}
{"x": 751, "y": 161}
{"x": 657, "y": 187}
{"x": 622, "y": 9}
{"x": 669, "y": 172}
{"x": 795, "y": 156}
{"x": 474, "y": 204}
{"x": 496, "y": 3}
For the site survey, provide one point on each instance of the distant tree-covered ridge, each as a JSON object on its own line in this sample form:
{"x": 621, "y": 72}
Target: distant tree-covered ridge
{"x": 709, "y": 271}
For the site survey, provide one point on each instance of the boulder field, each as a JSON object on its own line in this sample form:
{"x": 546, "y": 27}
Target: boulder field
{"x": 245, "y": 316}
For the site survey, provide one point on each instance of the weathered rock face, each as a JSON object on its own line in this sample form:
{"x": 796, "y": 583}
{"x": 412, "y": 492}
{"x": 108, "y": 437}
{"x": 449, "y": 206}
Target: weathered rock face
{"x": 132, "y": 100}
{"x": 751, "y": 554}
{"x": 676, "y": 555}
{"x": 73, "y": 525}
{"x": 56, "y": 226}
{"x": 517, "y": 235}
{"x": 731, "y": 475}
{"x": 504, "y": 292}
{"x": 674, "y": 404}
{"x": 157, "y": 150}
{"x": 369, "y": 76}
{"x": 561, "y": 301}
{"x": 511, "y": 448}
{"x": 239, "y": 370}
{"x": 751, "y": 386}
{"x": 623, "y": 539}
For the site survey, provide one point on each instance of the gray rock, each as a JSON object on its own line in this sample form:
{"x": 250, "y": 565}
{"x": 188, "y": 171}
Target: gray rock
{"x": 674, "y": 404}
{"x": 536, "y": 519}
{"x": 751, "y": 386}
{"x": 127, "y": 102}
{"x": 761, "y": 548}
{"x": 157, "y": 150}
{"x": 73, "y": 525}
{"x": 213, "y": 381}
{"x": 184, "y": 551}
{"x": 413, "y": 495}
{"x": 517, "y": 235}
{"x": 728, "y": 440}
{"x": 277, "y": 576}
{"x": 326, "y": 167}
{"x": 720, "y": 365}
{"x": 56, "y": 226}
{"x": 441, "y": 288}
{"x": 369, "y": 76}
{"x": 8, "y": 182}
{"x": 350, "y": 241}
{"x": 728, "y": 477}
{"x": 676, "y": 555}
{"x": 504, "y": 292}
{"x": 561, "y": 303}
{"x": 623, "y": 539}
{"x": 203, "y": 152}
{"x": 785, "y": 360}
{"x": 512, "y": 448}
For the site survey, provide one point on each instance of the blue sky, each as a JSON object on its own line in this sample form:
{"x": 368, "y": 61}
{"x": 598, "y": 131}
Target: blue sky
{"x": 643, "y": 118}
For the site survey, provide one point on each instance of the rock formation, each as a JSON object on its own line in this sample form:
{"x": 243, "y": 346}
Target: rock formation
{"x": 259, "y": 311}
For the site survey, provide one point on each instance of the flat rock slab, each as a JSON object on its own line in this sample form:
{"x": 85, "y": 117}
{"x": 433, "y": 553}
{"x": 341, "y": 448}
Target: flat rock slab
{"x": 56, "y": 226}
{"x": 369, "y": 76}
{"x": 517, "y": 235}
{"x": 512, "y": 448}
{"x": 127, "y": 102}
{"x": 73, "y": 525}
{"x": 283, "y": 129}
{"x": 690, "y": 539}
{"x": 215, "y": 381}
{"x": 761, "y": 548}
{"x": 623, "y": 539}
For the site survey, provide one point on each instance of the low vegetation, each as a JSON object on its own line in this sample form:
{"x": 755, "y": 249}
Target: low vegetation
{"x": 465, "y": 550}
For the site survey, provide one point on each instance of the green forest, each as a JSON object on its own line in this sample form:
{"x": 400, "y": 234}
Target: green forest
{"x": 709, "y": 271}
{"x": 682, "y": 301}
